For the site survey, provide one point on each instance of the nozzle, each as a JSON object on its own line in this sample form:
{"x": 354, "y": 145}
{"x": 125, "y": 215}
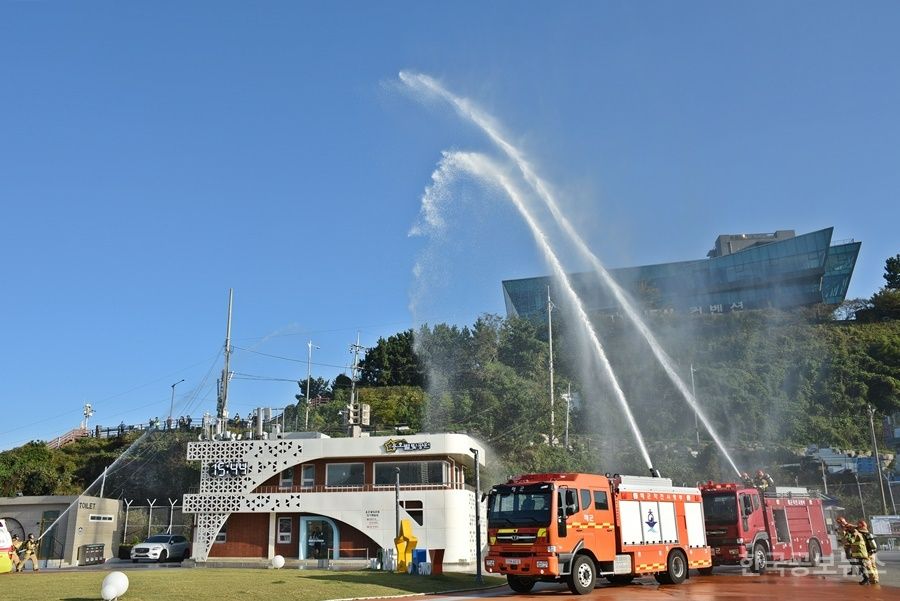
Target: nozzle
{"x": 654, "y": 473}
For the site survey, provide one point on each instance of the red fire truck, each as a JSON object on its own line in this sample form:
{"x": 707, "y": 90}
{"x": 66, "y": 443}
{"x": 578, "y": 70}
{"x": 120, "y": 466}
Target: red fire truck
{"x": 746, "y": 527}
{"x": 573, "y": 527}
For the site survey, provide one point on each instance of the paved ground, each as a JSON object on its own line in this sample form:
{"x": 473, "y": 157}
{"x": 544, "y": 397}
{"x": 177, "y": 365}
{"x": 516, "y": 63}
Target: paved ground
{"x": 789, "y": 583}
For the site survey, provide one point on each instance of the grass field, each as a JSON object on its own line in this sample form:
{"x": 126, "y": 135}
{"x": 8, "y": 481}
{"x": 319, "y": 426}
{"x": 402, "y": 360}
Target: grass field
{"x": 225, "y": 583}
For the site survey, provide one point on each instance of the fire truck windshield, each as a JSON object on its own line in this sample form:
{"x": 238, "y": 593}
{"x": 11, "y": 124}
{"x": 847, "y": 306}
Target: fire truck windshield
{"x": 527, "y": 505}
{"x": 720, "y": 507}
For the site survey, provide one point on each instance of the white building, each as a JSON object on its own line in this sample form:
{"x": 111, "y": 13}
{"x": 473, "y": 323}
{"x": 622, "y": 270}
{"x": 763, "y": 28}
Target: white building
{"x": 308, "y": 496}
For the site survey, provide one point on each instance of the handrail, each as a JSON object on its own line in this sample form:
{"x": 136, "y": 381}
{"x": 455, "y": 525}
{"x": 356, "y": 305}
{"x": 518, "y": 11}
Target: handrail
{"x": 358, "y": 488}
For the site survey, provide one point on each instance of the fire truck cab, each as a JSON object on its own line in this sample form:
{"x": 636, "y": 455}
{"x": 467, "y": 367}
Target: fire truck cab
{"x": 747, "y": 527}
{"x": 574, "y": 527}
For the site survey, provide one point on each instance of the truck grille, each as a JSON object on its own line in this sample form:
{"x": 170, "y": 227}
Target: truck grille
{"x": 516, "y": 538}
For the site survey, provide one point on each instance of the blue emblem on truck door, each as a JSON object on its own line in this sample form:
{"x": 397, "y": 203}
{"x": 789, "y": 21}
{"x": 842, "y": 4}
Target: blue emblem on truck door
{"x": 651, "y": 521}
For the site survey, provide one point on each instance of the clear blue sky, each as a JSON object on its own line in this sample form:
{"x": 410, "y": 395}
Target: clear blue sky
{"x": 154, "y": 154}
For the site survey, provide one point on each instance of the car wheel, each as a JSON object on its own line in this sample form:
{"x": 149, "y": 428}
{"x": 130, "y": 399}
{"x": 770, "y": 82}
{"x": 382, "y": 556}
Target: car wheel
{"x": 676, "y": 569}
{"x": 815, "y": 553}
{"x": 163, "y": 556}
{"x": 758, "y": 561}
{"x": 519, "y": 584}
{"x": 581, "y": 580}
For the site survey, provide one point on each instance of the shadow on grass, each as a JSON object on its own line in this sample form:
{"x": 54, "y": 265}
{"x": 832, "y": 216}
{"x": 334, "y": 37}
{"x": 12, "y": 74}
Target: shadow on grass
{"x": 408, "y": 582}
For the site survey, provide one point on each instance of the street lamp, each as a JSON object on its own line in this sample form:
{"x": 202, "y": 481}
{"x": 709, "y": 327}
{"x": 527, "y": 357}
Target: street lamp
{"x": 478, "y": 577}
{"x": 172, "y": 404}
{"x": 310, "y": 346}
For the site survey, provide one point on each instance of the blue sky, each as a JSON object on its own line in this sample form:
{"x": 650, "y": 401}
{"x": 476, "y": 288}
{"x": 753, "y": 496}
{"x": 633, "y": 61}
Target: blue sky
{"x": 153, "y": 155}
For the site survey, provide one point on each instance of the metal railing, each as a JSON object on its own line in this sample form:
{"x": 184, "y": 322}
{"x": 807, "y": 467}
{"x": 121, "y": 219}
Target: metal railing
{"x": 359, "y": 488}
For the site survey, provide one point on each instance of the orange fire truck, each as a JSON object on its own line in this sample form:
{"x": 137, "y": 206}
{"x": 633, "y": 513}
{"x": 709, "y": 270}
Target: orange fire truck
{"x": 574, "y": 527}
{"x": 745, "y": 527}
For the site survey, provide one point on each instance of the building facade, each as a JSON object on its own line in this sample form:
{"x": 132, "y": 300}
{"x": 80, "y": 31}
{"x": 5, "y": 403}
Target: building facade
{"x": 88, "y": 521}
{"x": 743, "y": 271}
{"x": 307, "y": 496}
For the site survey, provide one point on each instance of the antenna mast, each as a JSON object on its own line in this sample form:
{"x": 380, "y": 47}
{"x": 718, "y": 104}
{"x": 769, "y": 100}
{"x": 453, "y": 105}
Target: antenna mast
{"x": 222, "y": 402}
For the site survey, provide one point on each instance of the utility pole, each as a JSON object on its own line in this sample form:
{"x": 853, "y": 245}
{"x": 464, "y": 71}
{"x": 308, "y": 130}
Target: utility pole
{"x": 550, "y": 307}
{"x": 310, "y": 346}
{"x": 824, "y": 480}
{"x": 568, "y": 406}
{"x": 222, "y": 402}
{"x": 478, "y": 578}
{"x": 694, "y": 394}
{"x": 862, "y": 503}
{"x": 871, "y": 410}
{"x": 354, "y": 406}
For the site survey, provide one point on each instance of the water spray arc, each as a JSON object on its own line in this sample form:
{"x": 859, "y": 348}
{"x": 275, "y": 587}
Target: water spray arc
{"x": 487, "y": 171}
{"x": 106, "y": 472}
{"x": 425, "y": 84}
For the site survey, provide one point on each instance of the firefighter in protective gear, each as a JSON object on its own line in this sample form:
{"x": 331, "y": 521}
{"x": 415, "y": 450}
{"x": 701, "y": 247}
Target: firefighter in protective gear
{"x": 859, "y": 551}
{"x": 763, "y": 481}
{"x": 14, "y": 552}
{"x": 870, "y": 568}
{"x": 843, "y": 534}
{"x": 31, "y": 548}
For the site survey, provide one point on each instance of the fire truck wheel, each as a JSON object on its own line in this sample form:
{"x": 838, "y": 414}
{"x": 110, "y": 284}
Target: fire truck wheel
{"x": 758, "y": 562}
{"x": 519, "y": 584}
{"x": 815, "y": 553}
{"x": 581, "y": 580}
{"x": 676, "y": 569}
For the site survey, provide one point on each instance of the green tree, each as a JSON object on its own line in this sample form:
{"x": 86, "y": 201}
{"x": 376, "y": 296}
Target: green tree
{"x": 892, "y": 272}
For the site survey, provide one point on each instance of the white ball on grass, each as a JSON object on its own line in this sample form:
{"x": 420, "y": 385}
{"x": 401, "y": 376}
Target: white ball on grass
{"x": 118, "y": 581}
{"x": 278, "y": 562}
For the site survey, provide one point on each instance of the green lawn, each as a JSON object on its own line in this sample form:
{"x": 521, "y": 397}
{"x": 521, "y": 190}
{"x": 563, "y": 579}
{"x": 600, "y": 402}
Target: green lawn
{"x": 216, "y": 584}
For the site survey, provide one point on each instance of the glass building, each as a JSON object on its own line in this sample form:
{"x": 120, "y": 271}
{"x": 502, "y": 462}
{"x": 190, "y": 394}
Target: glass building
{"x": 779, "y": 270}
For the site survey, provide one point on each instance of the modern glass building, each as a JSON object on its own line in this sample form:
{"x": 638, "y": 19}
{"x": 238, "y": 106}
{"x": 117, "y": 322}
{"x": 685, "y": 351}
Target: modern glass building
{"x": 743, "y": 271}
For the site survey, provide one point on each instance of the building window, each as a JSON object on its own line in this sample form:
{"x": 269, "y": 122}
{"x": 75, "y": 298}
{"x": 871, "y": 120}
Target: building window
{"x": 344, "y": 474}
{"x": 412, "y": 472}
{"x": 285, "y": 527}
{"x": 286, "y": 479}
{"x": 221, "y": 537}
{"x": 308, "y": 476}
{"x": 416, "y": 511}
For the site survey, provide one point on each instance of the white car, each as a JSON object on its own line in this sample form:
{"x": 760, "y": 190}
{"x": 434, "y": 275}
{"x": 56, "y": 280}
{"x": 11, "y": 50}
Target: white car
{"x": 162, "y": 547}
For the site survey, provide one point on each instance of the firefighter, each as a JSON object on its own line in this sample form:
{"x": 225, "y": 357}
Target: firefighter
{"x": 14, "y": 552}
{"x": 763, "y": 481}
{"x": 31, "y": 550}
{"x": 870, "y": 568}
{"x": 843, "y": 534}
{"x": 859, "y": 551}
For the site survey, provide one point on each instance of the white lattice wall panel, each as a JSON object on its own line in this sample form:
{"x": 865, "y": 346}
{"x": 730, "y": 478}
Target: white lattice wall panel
{"x": 208, "y": 526}
{"x": 262, "y": 458}
{"x": 252, "y": 503}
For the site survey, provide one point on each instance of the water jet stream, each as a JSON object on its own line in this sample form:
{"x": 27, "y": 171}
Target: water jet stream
{"x": 483, "y": 168}
{"x": 467, "y": 109}
{"x": 108, "y": 471}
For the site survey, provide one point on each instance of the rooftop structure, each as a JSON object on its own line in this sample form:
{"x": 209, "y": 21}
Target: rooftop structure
{"x": 743, "y": 271}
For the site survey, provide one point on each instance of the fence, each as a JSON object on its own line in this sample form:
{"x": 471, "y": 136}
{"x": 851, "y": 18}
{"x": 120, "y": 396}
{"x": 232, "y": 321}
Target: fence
{"x": 140, "y": 521}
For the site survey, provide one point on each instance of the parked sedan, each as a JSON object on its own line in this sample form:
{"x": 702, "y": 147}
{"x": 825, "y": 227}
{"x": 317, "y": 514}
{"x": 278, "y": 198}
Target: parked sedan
{"x": 161, "y": 547}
